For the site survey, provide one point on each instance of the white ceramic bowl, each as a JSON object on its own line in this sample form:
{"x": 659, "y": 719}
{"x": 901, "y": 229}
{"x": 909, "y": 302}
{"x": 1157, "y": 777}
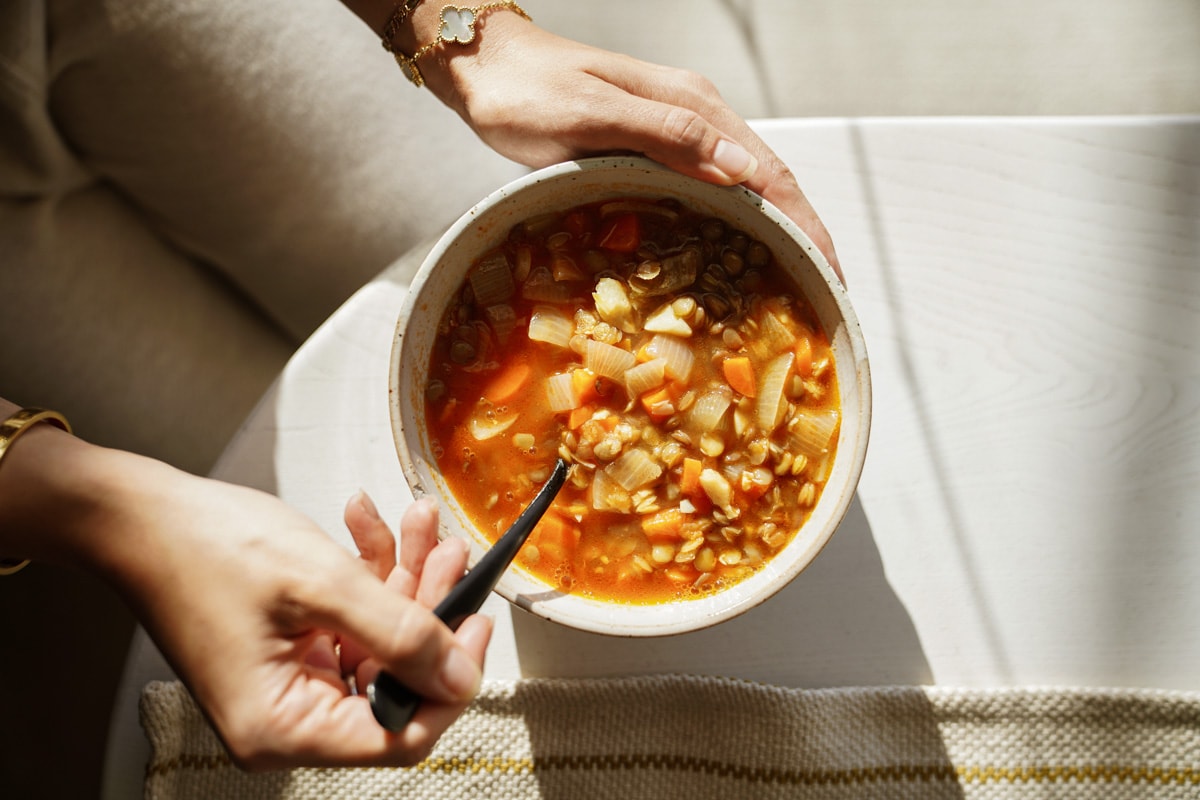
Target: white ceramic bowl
{"x": 561, "y": 187}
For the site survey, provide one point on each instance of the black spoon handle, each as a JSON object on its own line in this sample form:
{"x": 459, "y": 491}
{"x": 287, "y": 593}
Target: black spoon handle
{"x": 393, "y": 703}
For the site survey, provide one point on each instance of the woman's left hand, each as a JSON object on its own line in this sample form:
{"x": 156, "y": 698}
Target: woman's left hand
{"x": 540, "y": 99}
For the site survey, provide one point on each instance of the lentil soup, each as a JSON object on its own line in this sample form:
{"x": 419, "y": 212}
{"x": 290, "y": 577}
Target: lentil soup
{"x": 678, "y": 370}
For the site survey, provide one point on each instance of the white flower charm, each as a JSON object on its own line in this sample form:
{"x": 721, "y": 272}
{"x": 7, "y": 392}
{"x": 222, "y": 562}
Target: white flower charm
{"x": 458, "y": 25}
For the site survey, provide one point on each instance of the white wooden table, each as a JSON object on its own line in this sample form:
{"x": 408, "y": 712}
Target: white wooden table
{"x": 1030, "y": 509}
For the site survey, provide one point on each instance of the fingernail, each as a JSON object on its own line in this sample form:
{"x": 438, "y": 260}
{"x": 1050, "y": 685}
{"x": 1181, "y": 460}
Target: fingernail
{"x": 461, "y": 675}
{"x": 368, "y": 505}
{"x": 734, "y": 160}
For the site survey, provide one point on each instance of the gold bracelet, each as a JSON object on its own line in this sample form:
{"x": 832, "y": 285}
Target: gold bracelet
{"x": 11, "y": 430}
{"x": 458, "y": 26}
{"x": 400, "y": 15}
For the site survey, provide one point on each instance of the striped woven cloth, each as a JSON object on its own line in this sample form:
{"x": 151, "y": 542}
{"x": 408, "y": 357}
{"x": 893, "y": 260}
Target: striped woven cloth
{"x": 669, "y": 737}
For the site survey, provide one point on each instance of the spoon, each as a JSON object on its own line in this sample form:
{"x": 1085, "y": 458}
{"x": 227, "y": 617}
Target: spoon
{"x": 393, "y": 703}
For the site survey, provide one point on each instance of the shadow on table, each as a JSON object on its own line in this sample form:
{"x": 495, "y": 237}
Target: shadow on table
{"x": 838, "y": 624}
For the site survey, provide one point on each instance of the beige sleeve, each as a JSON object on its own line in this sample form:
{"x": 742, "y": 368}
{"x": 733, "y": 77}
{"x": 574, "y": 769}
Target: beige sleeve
{"x": 187, "y": 189}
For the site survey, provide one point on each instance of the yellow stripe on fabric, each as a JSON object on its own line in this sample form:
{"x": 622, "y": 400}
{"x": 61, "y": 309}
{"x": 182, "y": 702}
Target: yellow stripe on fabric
{"x": 893, "y": 773}
{"x": 1096, "y": 773}
{"x": 769, "y": 775}
{"x": 1099, "y": 773}
{"x": 494, "y": 766}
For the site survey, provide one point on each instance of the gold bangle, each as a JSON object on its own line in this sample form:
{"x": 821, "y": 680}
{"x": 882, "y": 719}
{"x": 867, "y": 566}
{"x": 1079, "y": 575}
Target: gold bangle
{"x": 458, "y": 26}
{"x": 399, "y": 16}
{"x": 11, "y": 430}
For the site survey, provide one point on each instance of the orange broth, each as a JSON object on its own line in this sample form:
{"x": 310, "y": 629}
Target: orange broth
{"x": 676, "y": 367}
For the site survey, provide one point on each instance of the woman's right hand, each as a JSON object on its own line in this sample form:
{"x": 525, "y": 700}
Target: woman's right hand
{"x": 266, "y": 618}
{"x": 260, "y": 613}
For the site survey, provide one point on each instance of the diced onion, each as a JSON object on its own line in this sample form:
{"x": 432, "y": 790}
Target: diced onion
{"x": 564, "y": 268}
{"x": 717, "y": 488}
{"x": 483, "y": 428}
{"x": 613, "y": 306}
{"x": 608, "y": 360}
{"x": 603, "y": 489}
{"x": 634, "y": 469}
{"x": 708, "y": 413}
{"x": 773, "y": 338}
{"x": 811, "y": 432}
{"x": 772, "y": 403}
{"x": 676, "y": 352}
{"x": 598, "y": 488}
{"x": 666, "y": 321}
{"x": 560, "y": 394}
{"x": 492, "y": 281}
{"x": 645, "y": 377}
{"x": 548, "y": 324}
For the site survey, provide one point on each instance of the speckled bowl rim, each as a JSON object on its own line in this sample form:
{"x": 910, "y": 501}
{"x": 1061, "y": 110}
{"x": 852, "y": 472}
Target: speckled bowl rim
{"x": 560, "y": 187}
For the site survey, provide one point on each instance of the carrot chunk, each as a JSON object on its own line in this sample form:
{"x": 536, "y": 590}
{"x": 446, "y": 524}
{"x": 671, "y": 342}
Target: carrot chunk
{"x": 701, "y": 502}
{"x": 689, "y": 482}
{"x": 665, "y": 524}
{"x": 623, "y": 234}
{"x": 658, "y": 403}
{"x": 739, "y": 374}
{"x": 556, "y": 535}
{"x": 505, "y": 384}
{"x": 583, "y": 384}
{"x": 578, "y": 416}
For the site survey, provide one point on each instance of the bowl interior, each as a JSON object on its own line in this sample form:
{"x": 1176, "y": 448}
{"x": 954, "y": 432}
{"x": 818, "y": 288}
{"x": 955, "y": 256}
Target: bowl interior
{"x": 561, "y": 187}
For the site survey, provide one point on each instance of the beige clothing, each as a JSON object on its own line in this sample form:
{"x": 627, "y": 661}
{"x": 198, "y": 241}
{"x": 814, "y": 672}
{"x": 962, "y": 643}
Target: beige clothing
{"x": 187, "y": 189}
